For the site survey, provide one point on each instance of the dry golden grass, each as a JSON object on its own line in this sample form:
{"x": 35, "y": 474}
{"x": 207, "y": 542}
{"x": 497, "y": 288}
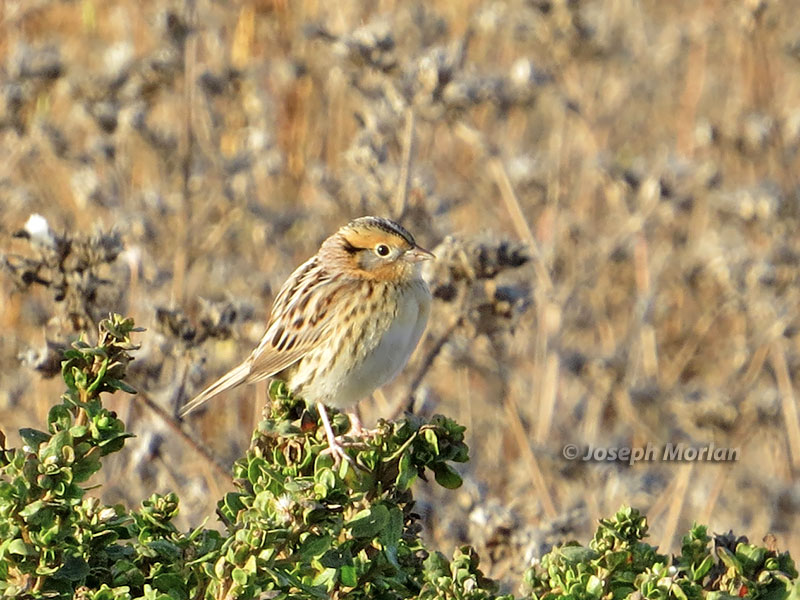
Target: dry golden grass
{"x": 646, "y": 153}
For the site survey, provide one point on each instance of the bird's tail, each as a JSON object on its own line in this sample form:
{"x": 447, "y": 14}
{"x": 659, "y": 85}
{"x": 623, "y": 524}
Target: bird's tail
{"x": 231, "y": 379}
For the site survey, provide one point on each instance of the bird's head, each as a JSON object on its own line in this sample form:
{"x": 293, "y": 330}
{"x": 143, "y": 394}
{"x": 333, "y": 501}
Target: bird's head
{"x": 376, "y": 248}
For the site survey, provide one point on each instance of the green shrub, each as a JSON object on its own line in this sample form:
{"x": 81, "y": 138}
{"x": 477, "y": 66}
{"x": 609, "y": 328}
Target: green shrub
{"x": 298, "y": 525}
{"x": 618, "y": 564}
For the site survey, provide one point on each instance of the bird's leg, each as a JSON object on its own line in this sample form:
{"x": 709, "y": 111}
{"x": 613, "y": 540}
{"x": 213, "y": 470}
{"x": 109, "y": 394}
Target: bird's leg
{"x": 334, "y": 447}
{"x": 355, "y": 423}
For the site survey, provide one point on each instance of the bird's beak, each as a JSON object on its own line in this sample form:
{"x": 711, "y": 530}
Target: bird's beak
{"x": 418, "y": 254}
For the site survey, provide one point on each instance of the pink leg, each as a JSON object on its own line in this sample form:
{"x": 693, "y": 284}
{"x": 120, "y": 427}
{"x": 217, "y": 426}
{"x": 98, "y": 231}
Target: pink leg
{"x": 355, "y": 423}
{"x": 333, "y": 446}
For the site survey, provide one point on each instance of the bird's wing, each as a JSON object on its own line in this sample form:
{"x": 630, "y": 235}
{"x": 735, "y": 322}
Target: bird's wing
{"x": 303, "y": 316}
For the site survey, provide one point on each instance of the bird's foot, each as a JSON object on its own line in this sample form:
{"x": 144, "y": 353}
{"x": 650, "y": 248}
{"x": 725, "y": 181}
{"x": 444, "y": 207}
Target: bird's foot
{"x": 336, "y": 450}
{"x": 335, "y": 446}
{"x": 356, "y": 430}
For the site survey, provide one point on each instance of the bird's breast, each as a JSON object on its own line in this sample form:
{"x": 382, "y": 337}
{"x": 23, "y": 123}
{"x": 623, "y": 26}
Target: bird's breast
{"x": 371, "y": 353}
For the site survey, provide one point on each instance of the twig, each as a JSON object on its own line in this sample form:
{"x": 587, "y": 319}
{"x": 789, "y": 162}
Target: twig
{"x": 546, "y": 364}
{"x": 513, "y": 207}
{"x": 647, "y": 335}
{"x": 721, "y": 477}
{"x": 475, "y": 138}
{"x": 186, "y": 150}
{"x": 692, "y": 89}
{"x": 539, "y": 483}
{"x": 754, "y": 367}
{"x": 675, "y": 367}
{"x": 176, "y": 427}
{"x": 404, "y": 179}
{"x": 788, "y": 402}
{"x": 428, "y": 362}
{"x": 547, "y": 398}
{"x": 676, "y": 505}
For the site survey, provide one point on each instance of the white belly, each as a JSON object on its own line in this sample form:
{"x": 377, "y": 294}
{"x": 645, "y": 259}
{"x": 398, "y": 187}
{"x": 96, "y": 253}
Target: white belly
{"x": 390, "y": 355}
{"x": 385, "y": 351}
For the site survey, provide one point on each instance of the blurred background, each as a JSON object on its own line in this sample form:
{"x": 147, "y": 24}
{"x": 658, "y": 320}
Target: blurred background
{"x": 611, "y": 189}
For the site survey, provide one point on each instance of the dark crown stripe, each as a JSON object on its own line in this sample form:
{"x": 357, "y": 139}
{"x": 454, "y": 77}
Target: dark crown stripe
{"x": 390, "y": 227}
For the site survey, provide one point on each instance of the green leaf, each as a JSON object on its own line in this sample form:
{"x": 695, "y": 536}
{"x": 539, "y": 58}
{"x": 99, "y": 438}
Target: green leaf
{"x": 21, "y": 548}
{"x": 335, "y": 558}
{"x": 677, "y": 591}
{"x": 170, "y": 583}
{"x": 326, "y": 478}
{"x": 87, "y": 465}
{"x": 114, "y": 443}
{"x": 594, "y": 587}
{"x": 33, "y": 437}
{"x": 79, "y": 377}
{"x": 56, "y": 445}
{"x": 391, "y": 534}
{"x": 578, "y": 554}
{"x": 126, "y": 572}
{"x": 325, "y": 578}
{"x": 231, "y": 504}
{"x": 100, "y": 376}
{"x": 446, "y": 476}
{"x": 432, "y": 439}
{"x": 239, "y": 576}
{"x": 115, "y": 593}
{"x": 31, "y": 509}
{"x": 59, "y": 418}
{"x": 703, "y": 569}
{"x": 77, "y": 431}
{"x": 118, "y": 384}
{"x": 751, "y": 557}
{"x": 369, "y": 522}
{"x": 74, "y": 569}
{"x": 348, "y": 576}
{"x": 166, "y": 549}
{"x": 314, "y": 546}
{"x": 407, "y": 473}
{"x": 728, "y": 558}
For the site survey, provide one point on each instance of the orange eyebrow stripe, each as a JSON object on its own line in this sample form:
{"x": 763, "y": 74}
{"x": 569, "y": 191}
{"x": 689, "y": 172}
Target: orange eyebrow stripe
{"x": 370, "y": 239}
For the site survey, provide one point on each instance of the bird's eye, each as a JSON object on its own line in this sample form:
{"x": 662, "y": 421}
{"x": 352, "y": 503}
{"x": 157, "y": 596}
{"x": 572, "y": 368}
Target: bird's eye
{"x": 382, "y": 250}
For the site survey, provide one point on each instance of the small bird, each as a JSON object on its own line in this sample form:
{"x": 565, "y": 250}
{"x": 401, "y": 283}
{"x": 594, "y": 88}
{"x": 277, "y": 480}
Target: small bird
{"x": 344, "y": 323}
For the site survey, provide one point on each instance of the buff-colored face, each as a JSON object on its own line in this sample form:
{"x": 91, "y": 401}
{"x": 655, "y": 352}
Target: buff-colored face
{"x": 378, "y": 249}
